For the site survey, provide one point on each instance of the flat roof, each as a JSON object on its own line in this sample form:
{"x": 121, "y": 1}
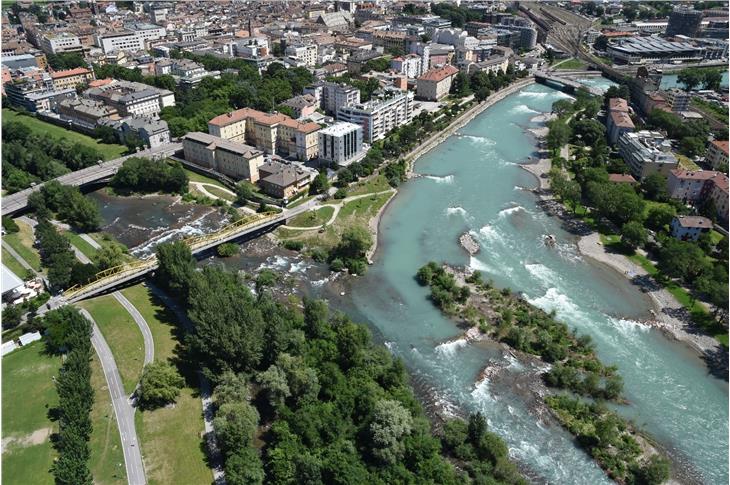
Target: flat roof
{"x": 10, "y": 280}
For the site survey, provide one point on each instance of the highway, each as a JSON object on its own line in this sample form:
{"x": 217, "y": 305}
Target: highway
{"x": 19, "y": 201}
{"x": 123, "y": 407}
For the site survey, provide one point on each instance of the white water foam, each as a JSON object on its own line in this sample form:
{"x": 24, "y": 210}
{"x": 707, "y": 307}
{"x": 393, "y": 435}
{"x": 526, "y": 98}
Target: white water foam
{"x": 448, "y": 349}
{"x": 480, "y": 140}
{"x": 299, "y": 267}
{"x": 524, "y": 109}
{"x": 542, "y": 273}
{"x": 274, "y": 262}
{"x": 391, "y": 346}
{"x": 553, "y": 300}
{"x": 490, "y": 235}
{"x": 193, "y": 228}
{"x": 479, "y": 265}
{"x": 511, "y": 210}
{"x": 458, "y": 210}
{"x": 628, "y": 327}
{"x": 447, "y": 179}
{"x": 482, "y": 392}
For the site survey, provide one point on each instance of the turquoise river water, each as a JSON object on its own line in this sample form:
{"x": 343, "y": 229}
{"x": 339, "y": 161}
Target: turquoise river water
{"x": 472, "y": 182}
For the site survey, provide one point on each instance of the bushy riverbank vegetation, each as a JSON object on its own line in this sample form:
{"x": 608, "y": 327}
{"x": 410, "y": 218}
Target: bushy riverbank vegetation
{"x": 507, "y": 318}
{"x": 303, "y": 395}
{"x": 625, "y": 213}
{"x": 35, "y": 151}
{"x": 68, "y": 204}
{"x": 70, "y": 333}
{"x": 142, "y": 175}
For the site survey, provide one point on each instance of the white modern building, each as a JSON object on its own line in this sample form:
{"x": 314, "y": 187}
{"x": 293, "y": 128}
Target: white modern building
{"x": 390, "y": 109}
{"x": 60, "y": 42}
{"x": 123, "y": 41}
{"x": 306, "y": 54}
{"x": 409, "y": 65}
{"x": 647, "y": 152}
{"x": 146, "y": 31}
{"x": 340, "y": 143}
{"x": 333, "y": 96}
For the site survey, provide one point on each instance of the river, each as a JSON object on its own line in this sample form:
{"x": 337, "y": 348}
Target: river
{"x": 472, "y": 182}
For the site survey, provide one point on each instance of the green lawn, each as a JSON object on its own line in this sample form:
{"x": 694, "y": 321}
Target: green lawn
{"x": 367, "y": 206}
{"x": 171, "y": 437}
{"x": 107, "y": 458}
{"x": 123, "y": 336}
{"x": 196, "y": 177}
{"x": 47, "y": 129}
{"x": 13, "y": 264}
{"x": 81, "y": 244}
{"x": 223, "y": 194}
{"x": 28, "y": 392}
{"x": 313, "y": 218}
{"x": 300, "y": 201}
{"x": 571, "y": 65}
{"x": 375, "y": 184}
{"x": 22, "y": 241}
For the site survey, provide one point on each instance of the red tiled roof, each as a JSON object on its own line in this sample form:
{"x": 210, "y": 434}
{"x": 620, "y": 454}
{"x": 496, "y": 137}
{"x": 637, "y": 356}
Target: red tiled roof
{"x": 721, "y": 182}
{"x": 439, "y": 74}
{"x": 618, "y": 104}
{"x": 621, "y": 178}
{"x": 722, "y": 145}
{"x": 694, "y": 221}
{"x": 100, "y": 82}
{"x": 70, "y": 72}
{"x": 696, "y": 175}
{"x": 621, "y": 119}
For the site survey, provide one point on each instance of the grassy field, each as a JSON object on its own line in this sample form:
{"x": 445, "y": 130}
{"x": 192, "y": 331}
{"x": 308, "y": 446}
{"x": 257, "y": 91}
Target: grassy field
{"x": 196, "y": 177}
{"x": 170, "y": 437}
{"x": 570, "y": 65}
{"x": 123, "y": 336}
{"x": 28, "y": 392}
{"x": 300, "y": 201}
{"x": 22, "y": 241}
{"x": 47, "y": 129}
{"x": 13, "y": 264}
{"x": 81, "y": 244}
{"x": 107, "y": 458}
{"x": 223, "y": 194}
{"x": 313, "y": 218}
{"x": 375, "y": 184}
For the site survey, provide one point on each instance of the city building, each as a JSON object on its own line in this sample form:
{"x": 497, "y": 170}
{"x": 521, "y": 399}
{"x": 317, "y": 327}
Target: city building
{"x": 272, "y": 133}
{"x": 410, "y": 65}
{"x": 340, "y": 143}
{"x": 618, "y": 120}
{"x": 333, "y": 96}
{"x": 689, "y": 228}
{"x": 151, "y": 131}
{"x": 646, "y": 50}
{"x": 302, "y": 105}
{"x": 684, "y": 21}
{"x": 283, "y": 180}
{"x": 718, "y": 193}
{"x": 85, "y": 113}
{"x": 36, "y": 95}
{"x": 389, "y": 109}
{"x": 60, "y": 42}
{"x": 717, "y": 155}
{"x": 233, "y": 159}
{"x": 435, "y": 83}
{"x": 303, "y": 54}
{"x": 146, "y": 31}
{"x": 122, "y": 41}
{"x": 71, "y": 78}
{"x": 132, "y": 98}
{"x": 677, "y": 99}
{"x": 688, "y": 186}
{"x": 647, "y": 152}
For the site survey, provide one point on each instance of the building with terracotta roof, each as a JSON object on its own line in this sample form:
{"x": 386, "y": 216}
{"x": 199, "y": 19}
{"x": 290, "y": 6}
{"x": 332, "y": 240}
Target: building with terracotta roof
{"x": 272, "y": 133}
{"x": 687, "y": 185}
{"x": 690, "y": 228}
{"x": 718, "y": 193}
{"x": 621, "y": 178}
{"x": 717, "y": 154}
{"x": 618, "y": 123}
{"x": 229, "y": 158}
{"x": 435, "y": 83}
{"x": 71, "y": 78}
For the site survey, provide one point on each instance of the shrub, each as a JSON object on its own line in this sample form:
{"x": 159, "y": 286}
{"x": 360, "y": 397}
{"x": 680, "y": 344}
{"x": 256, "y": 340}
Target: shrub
{"x": 10, "y": 225}
{"x": 341, "y": 193}
{"x": 227, "y": 250}
{"x": 293, "y": 245}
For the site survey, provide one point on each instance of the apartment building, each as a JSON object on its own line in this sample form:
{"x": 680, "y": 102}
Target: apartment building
{"x": 435, "y": 83}
{"x": 390, "y": 109}
{"x": 304, "y": 54}
{"x": 717, "y": 154}
{"x": 340, "y": 143}
{"x": 647, "y": 152}
{"x": 283, "y": 180}
{"x": 85, "y": 113}
{"x": 689, "y": 228}
{"x": 677, "y": 99}
{"x": 123, "y": 41}
{"x": 334, "y": 96}
{"x": 272, "y": 133}
{"x": 618, "y": 120}
{"x": 60, "y": 42}
{"x": 235, "y": 160}
{"x": 146, "y": 31}
{"x": 131, "y": 98}
{"x": 71, "y": 78}
{"x": 151, "y": 131}
{"x": 36, "y": 94}
{"x": 409, "y": 65}
{"x": 688, "y": 186}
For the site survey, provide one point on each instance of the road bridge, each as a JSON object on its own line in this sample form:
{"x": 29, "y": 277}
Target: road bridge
{"x": 18, "y": 202}
{"x": 252, "y": 226}
{"x": 565, "y": 84}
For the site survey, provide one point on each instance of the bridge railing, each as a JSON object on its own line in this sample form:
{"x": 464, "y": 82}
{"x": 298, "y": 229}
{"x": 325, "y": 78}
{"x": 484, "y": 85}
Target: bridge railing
{"x": 116, "y": 273}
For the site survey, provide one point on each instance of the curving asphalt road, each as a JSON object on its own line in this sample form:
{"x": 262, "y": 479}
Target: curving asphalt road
{"x": 123, "y": 407}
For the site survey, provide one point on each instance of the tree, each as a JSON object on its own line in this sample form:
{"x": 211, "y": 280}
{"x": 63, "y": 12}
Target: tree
{"x": 176, "y": 267}
{"x": 231, "y": 387}
{"x": 654, "y": 472}
{"x": 601, "y": 43}
{"x": 320, "y": 184}
{"x": 559, "y": 134}
{"x": 109, "y": 256}
{"x": 690, "y": 77}
{"x": 712, "y": 79}
{"x": 235, "y": 424}
{"x": 460, "y": 85}
{"x": 633, "y": 235}
{"x": 681, "y": 259}
{"x": 244, "y": 192}
{"x": 692, "y": 146}
{"x": 660, "y": 216}
{"x": 244, "y": 468}
{"x": 391, "y": 422}
{"x": 655, "y": 187}
{"x": 106, "y": 134}
{"x": 160, "y": 385}
{"x": 274, "y": 383}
